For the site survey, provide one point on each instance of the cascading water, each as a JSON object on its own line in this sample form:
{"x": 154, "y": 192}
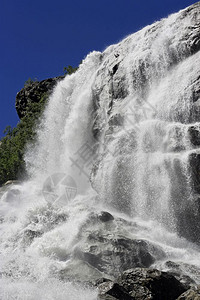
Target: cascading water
{"x": 126, "y": 121}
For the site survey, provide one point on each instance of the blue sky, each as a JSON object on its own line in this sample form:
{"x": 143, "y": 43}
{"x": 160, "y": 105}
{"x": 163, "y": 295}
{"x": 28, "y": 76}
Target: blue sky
{"x": 40, "y": 37}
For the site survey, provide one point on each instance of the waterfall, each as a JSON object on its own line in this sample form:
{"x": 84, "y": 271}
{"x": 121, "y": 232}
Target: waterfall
{"x": 116, "y": 158}
{"x": 153, "y": 116}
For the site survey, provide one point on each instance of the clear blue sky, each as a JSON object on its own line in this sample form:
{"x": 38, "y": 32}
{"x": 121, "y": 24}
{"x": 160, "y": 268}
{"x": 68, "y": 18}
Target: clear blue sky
{"x": 40, "y": 37}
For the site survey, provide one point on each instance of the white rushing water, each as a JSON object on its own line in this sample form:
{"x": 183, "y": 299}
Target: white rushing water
{"x": 138, "y": 162}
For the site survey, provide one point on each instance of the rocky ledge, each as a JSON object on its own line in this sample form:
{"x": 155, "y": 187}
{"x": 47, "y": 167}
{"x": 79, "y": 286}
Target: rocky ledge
{"x": 142, "y": 283}
{"x": 33, "y": 91}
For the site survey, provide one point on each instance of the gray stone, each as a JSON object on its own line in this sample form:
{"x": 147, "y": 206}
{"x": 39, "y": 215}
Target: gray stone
{"x": 111, "y": 291}
{"x": 103, "y": 246}
{"x": 150, "y": 284}
{"x": 191, "y": 294}
{"x": 105, "y": 216}
{"x": 142, "y": 284}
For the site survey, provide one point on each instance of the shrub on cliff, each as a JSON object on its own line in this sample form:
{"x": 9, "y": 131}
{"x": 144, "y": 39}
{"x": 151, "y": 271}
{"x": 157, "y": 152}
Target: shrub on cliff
{"x": 13, "y": 145}
{"x": 30, "y": 103}
{"x": 70, "y": 70}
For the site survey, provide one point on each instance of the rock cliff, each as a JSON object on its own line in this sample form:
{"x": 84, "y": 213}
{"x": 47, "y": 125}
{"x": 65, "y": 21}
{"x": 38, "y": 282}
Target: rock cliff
{"x": 146, "y": 97}
{"x": 33, "y": 91}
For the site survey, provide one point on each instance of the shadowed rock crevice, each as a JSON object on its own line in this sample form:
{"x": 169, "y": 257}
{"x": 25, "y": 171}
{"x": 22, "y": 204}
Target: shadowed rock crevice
{"x": 142, "y": 284}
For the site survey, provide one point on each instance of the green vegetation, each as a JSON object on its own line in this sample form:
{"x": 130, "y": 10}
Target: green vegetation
{"x": 69, "y": 70}
{"x": 29, "y": 81}
{"x": 13, "y": 145}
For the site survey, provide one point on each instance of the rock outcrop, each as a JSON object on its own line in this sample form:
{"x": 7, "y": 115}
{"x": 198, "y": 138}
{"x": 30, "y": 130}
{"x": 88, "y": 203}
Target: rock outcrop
{"x": 191, "y": 294}
{"x": 33, "y": 91}
{"x": 109, "y": 248}
{"x": 142, "y": 284}
{"x": 105, "y": 244}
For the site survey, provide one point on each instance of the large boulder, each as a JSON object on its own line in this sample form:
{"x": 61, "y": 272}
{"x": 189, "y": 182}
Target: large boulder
{"x": 106, "y": 246}
{"x": 185, "y": 273}
{"x": 142, "y": 284}
{"x": 191, "y": 294}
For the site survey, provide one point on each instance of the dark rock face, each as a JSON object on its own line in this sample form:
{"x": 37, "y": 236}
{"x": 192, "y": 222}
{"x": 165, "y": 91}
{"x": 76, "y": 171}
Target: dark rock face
{"x": 114, "y": 256}
{"x": 143, "y": 284}
{"x": 106, "y": 246}
{"x": 32, "y": 92}
{"x": 194, "y": 132}
{"x": 110, "y": 290}
{"x": 105, "y": 216}
{"x": 192, "y": 294}
{"x": 183, "y": 272}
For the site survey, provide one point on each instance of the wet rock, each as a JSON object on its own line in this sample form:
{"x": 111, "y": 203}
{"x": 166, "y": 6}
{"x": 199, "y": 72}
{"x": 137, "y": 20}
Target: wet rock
{"x": 101, "y": 280}
{"x": 194, "y": 163}
{"x": 142, "y": 284}
{"x": 183, "y": 272}
{"x": 104, "y": 216}
{"x": 150, "y": 284}
{"x": 194, "y": 132}
{"x": 188, "y": 212}
{"x": 117, "y": 255}
{"x": 107, "y": 246}
{"x": 111, "y": 291}
{"x": 191, "y": 294}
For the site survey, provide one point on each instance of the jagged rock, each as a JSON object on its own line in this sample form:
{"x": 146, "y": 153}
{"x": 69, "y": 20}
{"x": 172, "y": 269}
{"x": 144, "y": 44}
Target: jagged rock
{"x": 105, "y": 216}
{"x": 33, "y": 92}
{"x": 188, "y": 213}
{"x": 183, "y": 272}
{"x": 142, "y": 284}
{"x": 107, "y": 246}
{"x": 116, "y": 254}
{"x": 150, "y": 284}
{"x": 194, "y": 132}
{"x": 105, "y": 249}
{"x": 110, "y": 291}
{"x": 191, "y": 294}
